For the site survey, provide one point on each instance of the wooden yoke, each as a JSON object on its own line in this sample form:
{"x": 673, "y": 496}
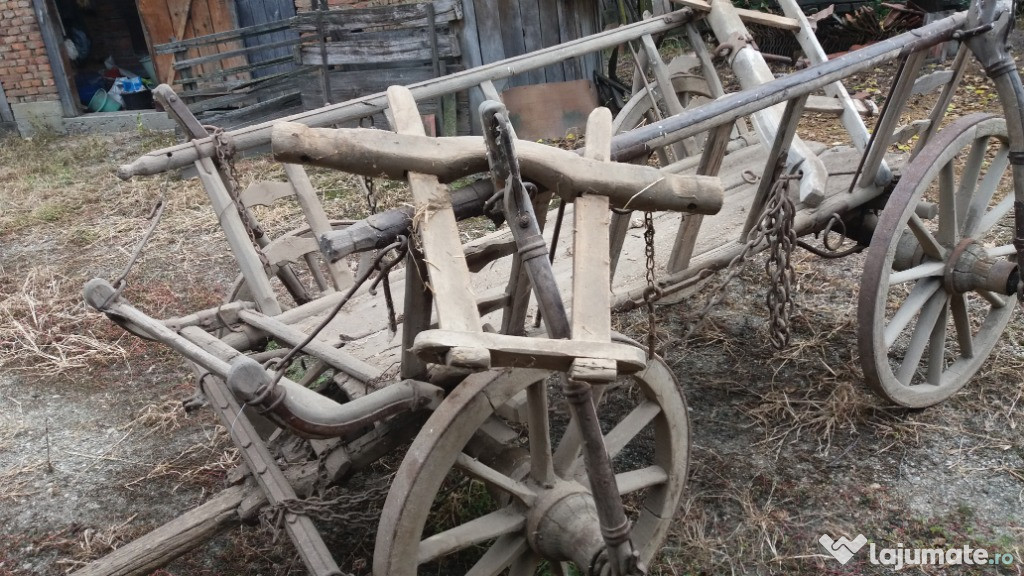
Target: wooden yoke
{"x": 442, "y": 247}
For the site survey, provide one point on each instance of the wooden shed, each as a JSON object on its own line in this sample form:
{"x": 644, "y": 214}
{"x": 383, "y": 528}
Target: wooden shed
{"x": 242, "y": 44}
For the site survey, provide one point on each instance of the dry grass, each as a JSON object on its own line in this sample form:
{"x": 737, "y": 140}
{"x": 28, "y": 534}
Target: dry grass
{"x": 44, "y": 325}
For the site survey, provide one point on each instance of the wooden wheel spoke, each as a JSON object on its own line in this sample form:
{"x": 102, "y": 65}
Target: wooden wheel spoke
{"x": 499, "y": 524}
{"x": 993, "y": 216}
{"x": 962, "y": 323}
{"x": 949, "y": 230}
{"x": 917, "y": 272}
{"x": 630, "y": 426}
{"x": 919, "y": 296}
{"x": 525, "y": 565}
{"x": 986, "y": 189}
{"x": 997, "y": 300}
{"x": 490, "y": 476}
{"x": 937, "y": 347}
{"x": 1000, "y": 251}
{"x": 541, "y": 468}
{"x": 930, "y": 314}
{"x": 969, "y": 177}
{"x": 635, "y": 480}
{"x": 929, "y": 244}
{"x": 499, "y": 556}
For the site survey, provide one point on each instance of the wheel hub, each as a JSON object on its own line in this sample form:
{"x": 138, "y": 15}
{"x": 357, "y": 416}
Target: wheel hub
{"x": 971, "y": 268}
{"x": 562, "y": 524}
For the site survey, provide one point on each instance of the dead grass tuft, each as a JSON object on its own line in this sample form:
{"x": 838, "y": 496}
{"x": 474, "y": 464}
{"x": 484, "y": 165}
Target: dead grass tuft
{"x": 202, "y": 463}
{"x": 45, "y": 326}
{"x": 167, "y": 416}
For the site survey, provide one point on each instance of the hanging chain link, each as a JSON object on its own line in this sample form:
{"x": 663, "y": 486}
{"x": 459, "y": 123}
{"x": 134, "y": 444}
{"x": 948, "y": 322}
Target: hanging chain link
{"x": 371, "y": 194}
{"x": 776, "y": 228}
{"x": 652, "y": 293}
{"x": 224, "y": 149}
{"x": 352, "y": 510}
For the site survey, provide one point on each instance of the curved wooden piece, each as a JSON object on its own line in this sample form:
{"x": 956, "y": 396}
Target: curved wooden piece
{"x": 384, "y": 154}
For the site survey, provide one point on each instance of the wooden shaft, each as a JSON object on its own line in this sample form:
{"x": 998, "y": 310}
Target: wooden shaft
{"x": 259, "y": 135}
{"x": 730, "y": 107}
{"x": 173, "y": 539}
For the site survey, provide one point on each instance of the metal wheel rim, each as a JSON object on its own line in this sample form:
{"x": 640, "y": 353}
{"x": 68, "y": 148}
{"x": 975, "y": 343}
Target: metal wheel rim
{"x": 436, "y": 448}
{"x": 940, "y": 152}
{"x": 634, "y": 111}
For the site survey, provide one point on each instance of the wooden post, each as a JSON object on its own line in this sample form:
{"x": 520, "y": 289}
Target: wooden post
{"x": 444, "y": 258}
{"x": 752, "y": 72}
{"x": 318, "y": 222}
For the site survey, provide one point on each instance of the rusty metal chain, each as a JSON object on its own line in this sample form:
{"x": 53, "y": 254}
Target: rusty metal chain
{"x": 370, "y": 187}
{"x": 351, "y": 509}
{"x": 776, "y": 228}
{"x": 652, "y": 293}
{"x": 224, "y": 155}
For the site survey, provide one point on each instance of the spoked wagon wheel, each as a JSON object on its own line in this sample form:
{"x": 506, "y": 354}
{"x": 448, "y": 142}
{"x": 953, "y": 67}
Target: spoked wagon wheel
{"x": 936, "y": 293}
{"x": 691, "y": 89}
{"x": 467, "y": 499}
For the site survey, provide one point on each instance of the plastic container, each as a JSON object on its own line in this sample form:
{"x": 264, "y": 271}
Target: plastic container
{"x": 101, "y": 103}
{"x": 147, "y": 63}
{"x": 141, "y": 100}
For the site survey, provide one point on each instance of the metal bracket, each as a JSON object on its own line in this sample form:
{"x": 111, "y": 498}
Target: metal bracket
{"x": 733, "y": 44}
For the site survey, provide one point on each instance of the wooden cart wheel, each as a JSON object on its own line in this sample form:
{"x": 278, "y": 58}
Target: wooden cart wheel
{"x": 462, "y": 502}
{"x": 934, "y": 297}
{"x": 691, "y": 89}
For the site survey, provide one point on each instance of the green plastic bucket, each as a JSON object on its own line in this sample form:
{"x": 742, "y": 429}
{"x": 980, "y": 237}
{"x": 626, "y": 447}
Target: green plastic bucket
{"x": 102, "y": 103}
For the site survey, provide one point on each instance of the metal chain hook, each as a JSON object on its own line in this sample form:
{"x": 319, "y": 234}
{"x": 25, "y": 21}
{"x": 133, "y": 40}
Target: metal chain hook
{"x": 652, "y": 293}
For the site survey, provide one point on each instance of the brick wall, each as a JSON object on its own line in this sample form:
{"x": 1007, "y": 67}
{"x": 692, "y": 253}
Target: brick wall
{"x": 24, "y": 68}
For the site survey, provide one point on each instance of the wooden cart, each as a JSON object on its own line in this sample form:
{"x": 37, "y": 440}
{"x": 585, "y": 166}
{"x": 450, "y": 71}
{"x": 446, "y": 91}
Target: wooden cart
{"x": 568, "y": 443}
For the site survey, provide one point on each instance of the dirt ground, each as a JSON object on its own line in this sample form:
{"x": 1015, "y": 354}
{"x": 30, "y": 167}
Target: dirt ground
{"x": 95, "y": 449}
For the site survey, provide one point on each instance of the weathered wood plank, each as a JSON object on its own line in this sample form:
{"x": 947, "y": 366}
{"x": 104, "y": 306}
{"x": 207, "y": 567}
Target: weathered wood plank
{"x": 567, "y": 33}
{"x": 591, "y": 270}
{"x": 763, "y": 18}
{"x": 445, "y": 260}
{"x": 549, "y": 37}
{"x": 357, "y": 50}
{"x": 398, "y": 16}
{"x": 229, "y": 55}
{"x": 225, "y": 36}
{"x": 522, "y": 351}
{"x": 531, "y": 32}
{"x": 489, "y": 29}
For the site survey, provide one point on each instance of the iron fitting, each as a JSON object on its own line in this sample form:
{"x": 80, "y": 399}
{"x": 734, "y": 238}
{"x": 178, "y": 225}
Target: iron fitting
{"x": 1003, "y": 66}
{"x": 616, "y": 535}
{"x": 1016, "y": 158}
{"x": 533, "y": 247}
{"x": 576, "y": 392}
